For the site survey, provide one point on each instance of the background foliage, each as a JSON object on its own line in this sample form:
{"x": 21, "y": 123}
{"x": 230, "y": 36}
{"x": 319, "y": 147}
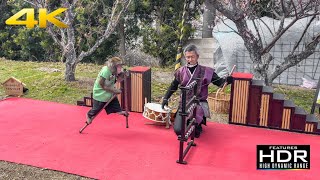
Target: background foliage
{"x": 153, "y": 26}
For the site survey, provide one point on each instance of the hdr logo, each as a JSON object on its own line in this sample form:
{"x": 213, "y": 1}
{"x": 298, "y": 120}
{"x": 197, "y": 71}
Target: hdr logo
{"x": 283, "y": 157}
{"x": 30, "y": 22}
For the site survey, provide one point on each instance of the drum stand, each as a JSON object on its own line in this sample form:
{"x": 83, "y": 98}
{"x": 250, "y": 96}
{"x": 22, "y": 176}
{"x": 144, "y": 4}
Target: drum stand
{"x": 167, "y": 124}
{"x": 187, "y": 111}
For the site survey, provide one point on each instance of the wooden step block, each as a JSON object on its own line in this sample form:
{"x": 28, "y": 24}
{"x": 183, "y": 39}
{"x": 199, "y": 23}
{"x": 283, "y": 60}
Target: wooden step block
{"x": 267, "y": 89}
{"x": 311, "y": 123}
{"x": 277, "y": 96}
{"x": 266, "y": 97}
{"x": 254, "y": 102}
{"x": 257, "y": 82}
{"x": 298, "y": 122}
{"x": 88, "y": 101}
{"x": 80, "y": 103}
{"x": 239, "y": 98}
{"x": 288, "y": 112}
{"x": 289, "y": 103}
{"x": 276, "y": 108}
{"x": 318, "y": 129}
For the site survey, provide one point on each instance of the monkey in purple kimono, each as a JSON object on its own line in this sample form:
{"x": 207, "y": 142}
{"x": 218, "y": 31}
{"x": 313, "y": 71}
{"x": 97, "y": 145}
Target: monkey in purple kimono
{"x": 186, "y": 74}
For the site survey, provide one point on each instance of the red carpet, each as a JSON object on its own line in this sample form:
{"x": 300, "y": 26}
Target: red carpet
{"x": 46, "y": 134}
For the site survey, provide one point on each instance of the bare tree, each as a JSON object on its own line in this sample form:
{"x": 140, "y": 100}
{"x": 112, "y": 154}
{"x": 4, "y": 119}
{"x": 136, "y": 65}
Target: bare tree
{"x": 240, "y": 11}
{"x": 122, "y": 36}
{"x": 209, "y": 14}
{"x": 72, "y": 39}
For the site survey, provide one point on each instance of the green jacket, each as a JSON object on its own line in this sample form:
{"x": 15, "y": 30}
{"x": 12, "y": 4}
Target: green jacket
{"x": 99, "y": 93}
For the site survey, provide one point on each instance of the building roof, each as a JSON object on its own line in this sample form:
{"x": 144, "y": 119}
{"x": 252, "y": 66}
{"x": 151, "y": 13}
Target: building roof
{"x": 17, "y": 80}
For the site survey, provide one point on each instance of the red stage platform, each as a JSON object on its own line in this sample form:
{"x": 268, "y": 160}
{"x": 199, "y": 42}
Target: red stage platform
{"x": 46, "y": 134}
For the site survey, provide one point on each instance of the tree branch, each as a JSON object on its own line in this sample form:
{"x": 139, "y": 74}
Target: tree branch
{"x": 307, "y": 7}
{"x": 63, "y": 37}
{"x": 33, "y": 4}
{"x": 116, "y": 13}
{"x": 233, "y": 30}
{"x": 302, "y": 35}
{"x": 233, "y": 5}
{"x": 295, "y": 9}
{"x": 233, "y": 15}
{"x": 276, "y": 38}
{"x": 258, "y": 33}
{"x": 281, "y": 25}
{"x": 267, "y": 26}
{"x": 276, "y": 14}
{"x": 293, "y": 59}
{"x": 283, "y": 7}
{"x": 54, "y": 36}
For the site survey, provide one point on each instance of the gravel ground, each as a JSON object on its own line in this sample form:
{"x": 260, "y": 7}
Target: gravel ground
{"x": 13, "y": 171}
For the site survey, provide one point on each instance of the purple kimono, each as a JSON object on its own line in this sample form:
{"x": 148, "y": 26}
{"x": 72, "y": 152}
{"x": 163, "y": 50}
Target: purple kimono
{"x": 184, "y": 76}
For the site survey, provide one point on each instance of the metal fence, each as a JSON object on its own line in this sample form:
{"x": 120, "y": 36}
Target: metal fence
{"x": 308, "y": 68}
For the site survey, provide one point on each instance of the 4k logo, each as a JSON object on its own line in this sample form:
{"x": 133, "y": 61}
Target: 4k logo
{"x": 30, "y": 22}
